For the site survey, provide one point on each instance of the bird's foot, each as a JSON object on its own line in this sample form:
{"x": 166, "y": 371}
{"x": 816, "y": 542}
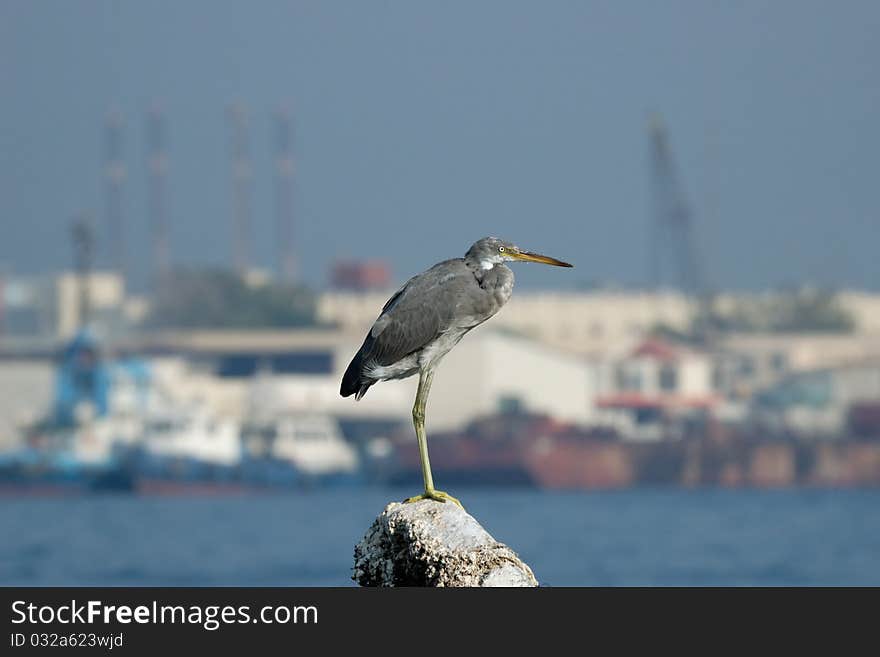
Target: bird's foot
{"x": 436, "y": 495}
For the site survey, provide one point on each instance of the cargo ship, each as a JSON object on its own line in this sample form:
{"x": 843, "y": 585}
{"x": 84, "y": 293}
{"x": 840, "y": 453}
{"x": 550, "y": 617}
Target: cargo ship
{"x": 537, "y": 451}
{"x": 519, "y": 450}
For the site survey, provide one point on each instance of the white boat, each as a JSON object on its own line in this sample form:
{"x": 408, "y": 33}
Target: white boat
{"x": 192, "y": 434}
{"x": 312, "y": 443}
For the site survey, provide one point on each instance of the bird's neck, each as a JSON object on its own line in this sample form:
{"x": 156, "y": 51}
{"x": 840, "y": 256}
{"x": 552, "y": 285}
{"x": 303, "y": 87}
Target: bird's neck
{"x": 499, "y": 281}
{"x": 492, "y": 273}
{"x": 481, "y": 265}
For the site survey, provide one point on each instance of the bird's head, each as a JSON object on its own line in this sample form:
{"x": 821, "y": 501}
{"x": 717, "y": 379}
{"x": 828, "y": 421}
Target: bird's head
{"x": 491, "y": 251}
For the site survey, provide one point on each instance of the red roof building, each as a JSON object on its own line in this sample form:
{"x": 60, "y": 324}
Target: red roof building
{"x": 664, "y": 377}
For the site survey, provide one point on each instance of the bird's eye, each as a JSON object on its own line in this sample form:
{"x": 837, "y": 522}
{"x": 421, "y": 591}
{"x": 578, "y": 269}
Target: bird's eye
{"x": 500, "y": 249}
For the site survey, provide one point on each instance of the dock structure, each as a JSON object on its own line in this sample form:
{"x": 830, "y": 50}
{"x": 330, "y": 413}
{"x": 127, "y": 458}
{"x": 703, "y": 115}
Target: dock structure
{"x": 429, "y": 543}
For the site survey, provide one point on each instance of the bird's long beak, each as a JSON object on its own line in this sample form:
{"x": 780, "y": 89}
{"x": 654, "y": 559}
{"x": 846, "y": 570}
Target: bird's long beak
{"x": 528, "y": 256}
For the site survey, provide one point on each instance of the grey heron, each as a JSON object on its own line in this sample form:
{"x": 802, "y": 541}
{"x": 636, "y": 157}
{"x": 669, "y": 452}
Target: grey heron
{"x": 426, "y": 318}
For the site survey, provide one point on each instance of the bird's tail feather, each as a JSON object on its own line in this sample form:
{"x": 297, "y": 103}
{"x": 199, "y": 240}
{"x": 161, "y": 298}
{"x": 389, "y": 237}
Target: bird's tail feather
{"x": 351, "y": 378}
{"x": 352, "y": 382}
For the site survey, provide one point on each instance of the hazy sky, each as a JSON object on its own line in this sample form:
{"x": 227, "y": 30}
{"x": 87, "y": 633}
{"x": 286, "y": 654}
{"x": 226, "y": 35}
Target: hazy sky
{"x": 422, "y": 126}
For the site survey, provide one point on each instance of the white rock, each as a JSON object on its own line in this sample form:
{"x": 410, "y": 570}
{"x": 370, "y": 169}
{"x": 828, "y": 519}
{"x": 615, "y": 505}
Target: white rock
{"x": 430, "y": 543}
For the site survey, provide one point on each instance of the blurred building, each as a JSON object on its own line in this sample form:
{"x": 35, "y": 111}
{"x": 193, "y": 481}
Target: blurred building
{"x": 608, "y": 325}
{"x": 246, "y": 372}
{"x": 49, "y": 306}
{"x": 658, "y": 384}
{"x": 360, "y": 276}
{"x": 597, "y": 324}
{"x": 818, "y": 403}
{"x": 590, "y": 322}
{"x": 864, "y": 307}
{"x": 490, "y": 372}
{"x": 25, "y": 393}
{"x": 746, "y": 363}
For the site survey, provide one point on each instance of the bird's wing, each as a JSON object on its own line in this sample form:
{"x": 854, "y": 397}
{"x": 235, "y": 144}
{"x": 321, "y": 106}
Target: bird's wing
{"x": 418, "y": 313}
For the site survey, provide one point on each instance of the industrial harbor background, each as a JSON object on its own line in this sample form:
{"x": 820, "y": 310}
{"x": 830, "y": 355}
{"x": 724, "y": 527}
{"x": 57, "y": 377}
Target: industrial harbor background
{"x": 194, "y": 245}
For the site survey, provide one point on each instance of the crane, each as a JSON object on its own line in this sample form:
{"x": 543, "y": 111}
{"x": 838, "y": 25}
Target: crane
{"x": 675, "y": 258}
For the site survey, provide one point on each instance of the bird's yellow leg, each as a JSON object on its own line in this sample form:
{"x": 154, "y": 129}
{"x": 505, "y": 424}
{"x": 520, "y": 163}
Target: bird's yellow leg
{"x": 431, "y": 493}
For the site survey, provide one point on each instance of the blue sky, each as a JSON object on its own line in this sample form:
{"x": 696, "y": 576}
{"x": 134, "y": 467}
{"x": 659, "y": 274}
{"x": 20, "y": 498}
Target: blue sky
{"x": 422, "y": 126}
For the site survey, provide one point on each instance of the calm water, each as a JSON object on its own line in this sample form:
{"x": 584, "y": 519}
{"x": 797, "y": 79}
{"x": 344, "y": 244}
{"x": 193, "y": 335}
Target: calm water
{"x": 634, "y": 537}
